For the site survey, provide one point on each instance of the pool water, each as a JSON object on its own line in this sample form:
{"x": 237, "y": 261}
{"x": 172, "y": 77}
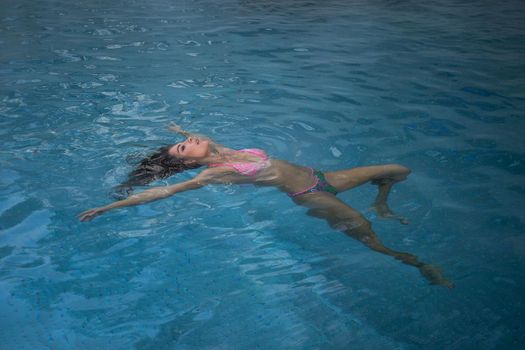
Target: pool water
{"x": 86, "y": 87}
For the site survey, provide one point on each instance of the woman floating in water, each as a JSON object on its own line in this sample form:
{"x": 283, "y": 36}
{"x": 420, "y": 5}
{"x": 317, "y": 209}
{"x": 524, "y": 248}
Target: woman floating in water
{"x": 307, "y": 187}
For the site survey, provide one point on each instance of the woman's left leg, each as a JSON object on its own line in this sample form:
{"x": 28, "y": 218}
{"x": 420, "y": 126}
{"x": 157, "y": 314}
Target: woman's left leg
{"x": 342, "y": 217}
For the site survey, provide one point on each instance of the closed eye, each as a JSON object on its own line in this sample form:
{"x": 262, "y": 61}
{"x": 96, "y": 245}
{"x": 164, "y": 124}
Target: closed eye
{"x": 182, "y": 148}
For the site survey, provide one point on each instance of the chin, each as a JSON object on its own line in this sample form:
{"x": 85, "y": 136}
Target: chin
{"x": 205, "y": 148}
{"x": 201, "y": 152}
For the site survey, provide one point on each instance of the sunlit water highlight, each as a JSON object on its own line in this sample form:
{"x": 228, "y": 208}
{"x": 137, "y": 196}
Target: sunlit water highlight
{"x": 85, "y": 85}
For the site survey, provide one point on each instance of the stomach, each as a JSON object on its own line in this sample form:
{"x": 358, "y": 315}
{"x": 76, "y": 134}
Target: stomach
{"x": 286, "y": 176}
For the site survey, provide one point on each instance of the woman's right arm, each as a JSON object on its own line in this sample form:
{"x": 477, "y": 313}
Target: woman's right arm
{"x": 146, "y": 196}
{"x": 204, "y": 178}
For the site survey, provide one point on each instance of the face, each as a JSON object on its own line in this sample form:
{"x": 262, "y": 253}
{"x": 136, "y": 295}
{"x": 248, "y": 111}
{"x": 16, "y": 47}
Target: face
{"x": 192, "y": 148}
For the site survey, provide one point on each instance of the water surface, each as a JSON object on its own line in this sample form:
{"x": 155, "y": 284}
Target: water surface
{"x": 86, "y": 85}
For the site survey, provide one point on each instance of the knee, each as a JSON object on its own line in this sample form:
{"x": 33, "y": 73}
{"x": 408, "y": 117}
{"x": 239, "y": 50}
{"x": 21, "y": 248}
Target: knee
{"x": 399, "y": 172}
{"x": 352, "y": 225}
{"x": 341, "y": 221}
{"x": 400, "y": 169}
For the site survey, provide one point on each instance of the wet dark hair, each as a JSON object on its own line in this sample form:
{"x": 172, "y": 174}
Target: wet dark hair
{"x": 156, "y": 166}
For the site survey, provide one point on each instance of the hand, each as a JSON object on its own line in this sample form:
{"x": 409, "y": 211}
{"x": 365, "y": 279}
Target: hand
{"x": 88, "y": 215}
{"x": 175, "y": 128}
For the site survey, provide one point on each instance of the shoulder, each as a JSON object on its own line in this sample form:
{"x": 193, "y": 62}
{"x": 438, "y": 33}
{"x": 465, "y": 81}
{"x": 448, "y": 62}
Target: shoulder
{"x": 221, "y": 148}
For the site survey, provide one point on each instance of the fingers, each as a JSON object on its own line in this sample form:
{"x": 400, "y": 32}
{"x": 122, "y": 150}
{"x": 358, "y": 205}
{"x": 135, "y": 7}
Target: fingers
{"x": 174, "y": 127}
{"x": 88, "y": 215}
{"x": 85, "y": 216}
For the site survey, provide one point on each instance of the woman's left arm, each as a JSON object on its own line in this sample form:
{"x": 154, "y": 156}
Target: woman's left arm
{"x": 178, "y": 129}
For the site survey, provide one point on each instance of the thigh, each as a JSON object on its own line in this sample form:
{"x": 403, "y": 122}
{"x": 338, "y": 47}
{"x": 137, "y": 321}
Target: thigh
{"x": 337, "y": 213}
{"x": 347, "y": 179}
{"x": 344, "y": 180}
{"x": 341, "y": 217}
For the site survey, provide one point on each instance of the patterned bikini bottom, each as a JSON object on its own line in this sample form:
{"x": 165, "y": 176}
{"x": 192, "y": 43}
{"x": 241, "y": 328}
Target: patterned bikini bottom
{"x": 320, "y": 185}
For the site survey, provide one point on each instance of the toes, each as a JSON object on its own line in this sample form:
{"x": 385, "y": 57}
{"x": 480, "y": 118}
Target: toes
{"x": 404, "y": 221}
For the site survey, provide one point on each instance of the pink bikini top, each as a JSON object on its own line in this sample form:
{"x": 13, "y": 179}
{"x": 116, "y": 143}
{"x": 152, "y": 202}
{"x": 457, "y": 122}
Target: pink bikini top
{"x": 247, "y": 168}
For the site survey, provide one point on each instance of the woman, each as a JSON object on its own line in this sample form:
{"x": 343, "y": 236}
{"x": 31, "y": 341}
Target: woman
{"x": 306, "y": 186}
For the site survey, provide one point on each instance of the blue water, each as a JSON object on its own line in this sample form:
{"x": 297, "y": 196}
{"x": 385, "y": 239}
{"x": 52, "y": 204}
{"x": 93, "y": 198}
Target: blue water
{"x": 87, "y": 85}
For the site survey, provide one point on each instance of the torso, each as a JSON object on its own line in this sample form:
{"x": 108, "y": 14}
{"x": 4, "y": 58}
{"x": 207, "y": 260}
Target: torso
{"x": 248, "y": 162}
{"x": 244, "y": 166}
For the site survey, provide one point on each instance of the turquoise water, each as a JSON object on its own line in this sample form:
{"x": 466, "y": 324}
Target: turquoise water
{"x": 87, "y": 85}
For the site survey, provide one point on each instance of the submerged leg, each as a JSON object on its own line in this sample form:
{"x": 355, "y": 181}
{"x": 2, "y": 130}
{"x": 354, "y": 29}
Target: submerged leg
{"x": 343, "y": 218}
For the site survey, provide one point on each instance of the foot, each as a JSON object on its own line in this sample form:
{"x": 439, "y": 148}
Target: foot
{"x": 434, "y": 275}
{"x": 384, "y": 211}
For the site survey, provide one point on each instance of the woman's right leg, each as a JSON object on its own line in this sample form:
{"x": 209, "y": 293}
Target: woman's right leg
{"x": 384, "y": 176}
{"x": 342, "y": 217}
{"x": 344, "y": 180}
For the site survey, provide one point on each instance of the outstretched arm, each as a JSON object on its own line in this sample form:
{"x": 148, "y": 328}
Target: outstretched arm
{"x": 149, "y": 195}
{"x": 178, "y": 129}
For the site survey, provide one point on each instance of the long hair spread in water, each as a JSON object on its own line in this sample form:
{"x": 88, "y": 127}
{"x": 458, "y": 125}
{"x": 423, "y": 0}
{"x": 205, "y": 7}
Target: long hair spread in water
{"x": 157, "y": 166}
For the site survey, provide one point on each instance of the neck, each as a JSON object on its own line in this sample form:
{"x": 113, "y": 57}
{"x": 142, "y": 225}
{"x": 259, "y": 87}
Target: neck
{"x": 214, "y": 156}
